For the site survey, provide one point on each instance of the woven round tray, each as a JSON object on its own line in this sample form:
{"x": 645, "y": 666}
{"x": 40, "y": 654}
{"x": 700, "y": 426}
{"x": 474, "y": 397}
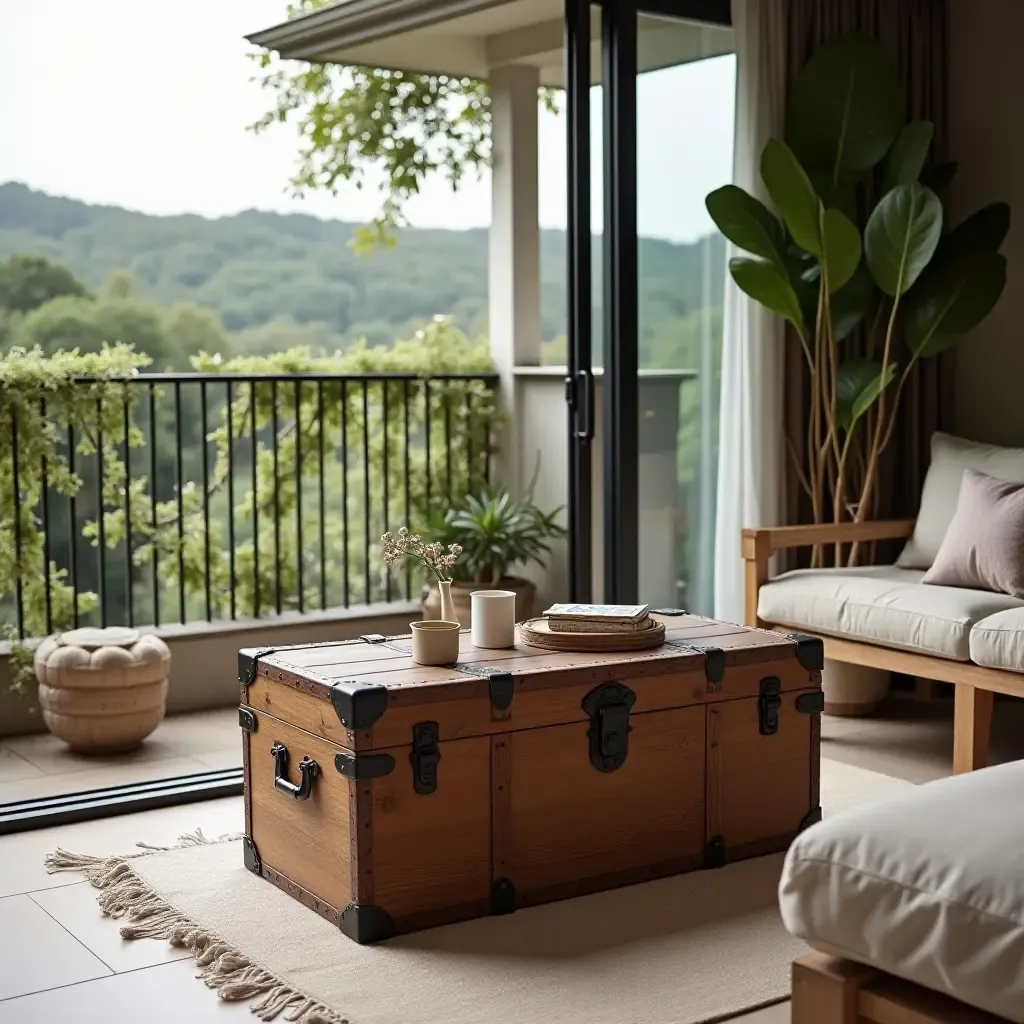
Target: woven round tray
{"x": 537, "y": 633}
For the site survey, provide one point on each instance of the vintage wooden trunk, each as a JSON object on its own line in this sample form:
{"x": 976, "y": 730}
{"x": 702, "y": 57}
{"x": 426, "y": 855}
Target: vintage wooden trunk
{"x": 390, "y": 797}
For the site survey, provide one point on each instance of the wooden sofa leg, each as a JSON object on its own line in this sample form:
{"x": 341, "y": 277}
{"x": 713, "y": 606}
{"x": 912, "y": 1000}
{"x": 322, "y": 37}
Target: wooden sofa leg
{"x": 825, "y": 989}
{"x": 972, "y": 725}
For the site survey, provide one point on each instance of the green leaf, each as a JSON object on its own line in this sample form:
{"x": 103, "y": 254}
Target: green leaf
{"x": 846, "y": 106}
{"x": 852, "y": 303}
{"x": 901, "y": 236}
{"x": 841, "y": 248}
{"x": 792, "y": 193}
{"x": 984, "y": 231}
{"x": 859, "y": 382}
{"x": 747, "y": 222}
{"x": 952, "y": 300}
{"x": 767, "y": 285}
{"x": 905, "y": 160}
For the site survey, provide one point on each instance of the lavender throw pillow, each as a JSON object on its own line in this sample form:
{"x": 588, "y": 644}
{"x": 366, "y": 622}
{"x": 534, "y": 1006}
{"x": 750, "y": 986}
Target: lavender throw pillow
{"x": 984, "y": 546}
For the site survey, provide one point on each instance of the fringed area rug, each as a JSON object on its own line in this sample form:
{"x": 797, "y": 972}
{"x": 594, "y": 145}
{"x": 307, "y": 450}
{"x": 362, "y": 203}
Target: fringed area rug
{"x": 685, "y": 950}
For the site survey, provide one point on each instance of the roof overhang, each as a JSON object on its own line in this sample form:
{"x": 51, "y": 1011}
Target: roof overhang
{"x": 472, "y": 37}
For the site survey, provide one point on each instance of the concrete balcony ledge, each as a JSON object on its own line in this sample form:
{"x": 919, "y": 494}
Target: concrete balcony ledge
{"x": 204, "y": 655}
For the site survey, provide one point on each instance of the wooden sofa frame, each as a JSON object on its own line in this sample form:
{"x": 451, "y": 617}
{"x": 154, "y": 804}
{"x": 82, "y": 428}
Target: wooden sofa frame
{"x": 827, "y": 990}
{"x": 975, "y": 686}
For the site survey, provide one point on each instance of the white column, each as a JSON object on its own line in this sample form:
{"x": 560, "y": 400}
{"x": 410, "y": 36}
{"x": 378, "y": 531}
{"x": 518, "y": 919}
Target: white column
{"x": 514, "y": 251}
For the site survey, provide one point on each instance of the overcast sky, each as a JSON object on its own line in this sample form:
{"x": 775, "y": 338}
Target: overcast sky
{"x": 145, "y": 105}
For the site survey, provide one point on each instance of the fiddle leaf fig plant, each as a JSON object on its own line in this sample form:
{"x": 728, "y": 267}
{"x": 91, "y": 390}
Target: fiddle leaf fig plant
{"x": 831, "y": 263}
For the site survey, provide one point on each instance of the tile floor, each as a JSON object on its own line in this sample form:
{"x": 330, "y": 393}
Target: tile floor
{"x": 67, "y": 963}
{"x": 37, "y": 766}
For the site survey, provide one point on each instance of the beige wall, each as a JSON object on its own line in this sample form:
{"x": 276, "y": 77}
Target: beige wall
{"x": 987, "y": 138}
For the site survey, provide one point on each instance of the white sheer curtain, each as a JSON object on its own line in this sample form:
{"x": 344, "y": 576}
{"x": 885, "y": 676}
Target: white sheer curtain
{"x": 751, "y": 439}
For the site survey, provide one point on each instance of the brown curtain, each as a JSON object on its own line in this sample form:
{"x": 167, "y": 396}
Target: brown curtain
{"x": 916, "y": 33}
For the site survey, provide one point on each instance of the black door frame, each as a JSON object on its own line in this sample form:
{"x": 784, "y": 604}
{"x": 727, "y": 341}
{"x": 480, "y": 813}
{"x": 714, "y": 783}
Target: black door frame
{"x": 620, "y": 387}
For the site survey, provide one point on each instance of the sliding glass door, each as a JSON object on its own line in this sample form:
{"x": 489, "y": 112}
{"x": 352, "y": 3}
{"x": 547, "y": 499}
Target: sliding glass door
{"x": 666, "y": 78}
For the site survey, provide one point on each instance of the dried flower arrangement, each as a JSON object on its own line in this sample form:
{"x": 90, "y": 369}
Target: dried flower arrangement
{"x": 434, "y": 557}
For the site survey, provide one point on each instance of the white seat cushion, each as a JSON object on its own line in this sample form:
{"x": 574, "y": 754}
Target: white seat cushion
{"x": 998, "y": 641}
{"x": 881, "y": 604}
{"x": 950, "y": 457}
{"x": 927, "y": 885}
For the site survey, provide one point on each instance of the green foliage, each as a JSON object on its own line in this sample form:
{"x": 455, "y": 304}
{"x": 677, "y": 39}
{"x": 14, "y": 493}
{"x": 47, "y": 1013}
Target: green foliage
{"x": 953, "y": 300}
{"x": 27, "y": 282}
{"x": 356, "y": 431}
{"x": 39, "y": 401}
{"x": 768, "y": 285}
{"x": 859, "y": 382}
{"x": 840, "y": 248}
{"x": 845, "y": 129}
{"x": 901, "y": 237}
{"x": 905, "y": 161}
{"x": 748, "y": 223}
{"x": 279, "y": 281}
{"x": 168, "y": 337}
{"x": 792, "y": 194}
{"x": 496, "y": 532}
{"x": 402, "y": 125}
{"x": 845, "y": 108}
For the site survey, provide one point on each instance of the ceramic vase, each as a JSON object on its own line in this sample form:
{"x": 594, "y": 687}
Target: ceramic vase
{"x": 447, "y": 605}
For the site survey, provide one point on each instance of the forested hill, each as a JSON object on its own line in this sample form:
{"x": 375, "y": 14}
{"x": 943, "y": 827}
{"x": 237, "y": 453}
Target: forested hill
{"x": 255, "y": 269}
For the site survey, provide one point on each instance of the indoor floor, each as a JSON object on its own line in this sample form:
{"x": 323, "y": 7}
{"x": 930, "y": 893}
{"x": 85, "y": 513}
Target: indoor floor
{"x": 70, "y": 964}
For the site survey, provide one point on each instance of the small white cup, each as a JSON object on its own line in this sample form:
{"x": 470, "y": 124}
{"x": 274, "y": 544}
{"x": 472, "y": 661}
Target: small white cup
{"x": 494, "y": 618}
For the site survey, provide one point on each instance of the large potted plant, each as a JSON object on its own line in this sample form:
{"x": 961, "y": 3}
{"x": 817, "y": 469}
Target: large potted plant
{"x": 496, "y": 533}
{"x": 858, "y": 258}
{"x": 858, "y": 241}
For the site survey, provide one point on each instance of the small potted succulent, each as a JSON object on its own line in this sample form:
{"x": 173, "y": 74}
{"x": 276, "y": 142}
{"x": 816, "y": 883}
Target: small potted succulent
{"x": 494, "y": 532}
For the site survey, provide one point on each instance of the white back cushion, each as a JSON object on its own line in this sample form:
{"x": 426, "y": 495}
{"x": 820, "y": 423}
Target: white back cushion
{"x": 950, "y": 457}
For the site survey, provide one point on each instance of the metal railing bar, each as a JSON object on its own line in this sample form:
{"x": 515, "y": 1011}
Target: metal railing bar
{"x": 298, "y": 494}
{"x": 126, "y": 424}
{"x": 255, "y": 505}
{"x": 72, "y": 529}
{"x": 367, "y": 585}
{"x": 100, "y": 525}
{"x": 44, "y": 498}
{"x": 230, "y": 414}
{"x": 205, "y": 469}
{"x": 19, "y": 595}
{"x": 323, "y": 507}
{"x": 277, "y": 497}
{"x": 407, "y": 472}
{"x": 152, "y": 504}
{"x": 344, "y": 487}
{"x": 179, "y": 480}
{"x": 384, "y": 467}
{"x": 245, "y": 378}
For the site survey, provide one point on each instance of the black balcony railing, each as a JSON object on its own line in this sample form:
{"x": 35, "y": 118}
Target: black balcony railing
{"x": 182, "y": 497}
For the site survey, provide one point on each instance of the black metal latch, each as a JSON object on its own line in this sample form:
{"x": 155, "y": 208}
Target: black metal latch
{"x": 608, "y": 707}
{"x": 425, "y": 755}
{"x": 769, "y": 703}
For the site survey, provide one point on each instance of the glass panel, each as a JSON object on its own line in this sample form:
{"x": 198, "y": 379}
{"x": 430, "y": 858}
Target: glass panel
{"x": 685, "y": 114}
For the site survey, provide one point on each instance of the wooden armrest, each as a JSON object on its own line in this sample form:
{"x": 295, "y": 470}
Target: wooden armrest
{"x": 758, "y": 543}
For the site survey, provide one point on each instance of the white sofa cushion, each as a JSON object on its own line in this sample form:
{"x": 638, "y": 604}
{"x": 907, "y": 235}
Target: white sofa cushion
{"x": 998, "y": 641}
{"x": 880, "y": 604}
{"x": 927, "y": 885}
{"x": 950, "y": 457}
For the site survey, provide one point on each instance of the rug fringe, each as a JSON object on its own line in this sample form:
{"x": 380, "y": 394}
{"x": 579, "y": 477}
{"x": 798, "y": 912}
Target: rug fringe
{"x": 148, "y": 916}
